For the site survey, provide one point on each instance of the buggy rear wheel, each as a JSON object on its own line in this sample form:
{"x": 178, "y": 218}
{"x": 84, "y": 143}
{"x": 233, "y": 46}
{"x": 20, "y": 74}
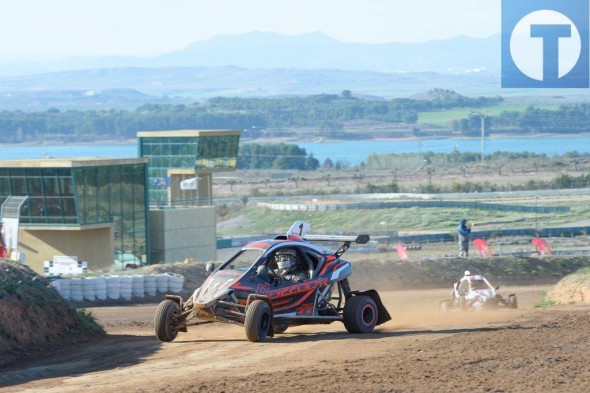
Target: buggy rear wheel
{"x": 512, "y": 302}
{"x": 360, "y": 314}
{"x": 445, "y": 305}
{"x": 258, "y": 320}
{"x": 165, "y": 320}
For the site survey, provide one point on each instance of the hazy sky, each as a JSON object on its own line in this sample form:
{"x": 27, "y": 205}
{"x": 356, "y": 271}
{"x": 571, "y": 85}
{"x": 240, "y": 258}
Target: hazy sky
{"x": 57, "y": 28}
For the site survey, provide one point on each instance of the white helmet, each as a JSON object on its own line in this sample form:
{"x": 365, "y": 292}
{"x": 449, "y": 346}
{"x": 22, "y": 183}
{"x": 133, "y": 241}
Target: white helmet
{"x": 467, "y": 273}
{"x": 286, "y": 259}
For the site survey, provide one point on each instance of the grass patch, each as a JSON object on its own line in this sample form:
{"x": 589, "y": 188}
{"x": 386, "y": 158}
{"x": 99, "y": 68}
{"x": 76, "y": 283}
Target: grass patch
{"x": 88, "y": 322}
{"x": 545, "y": 301}
{"x": 260, "y": 220}
{"x": 446, "y": 117}
{"x": 582, "y": 276}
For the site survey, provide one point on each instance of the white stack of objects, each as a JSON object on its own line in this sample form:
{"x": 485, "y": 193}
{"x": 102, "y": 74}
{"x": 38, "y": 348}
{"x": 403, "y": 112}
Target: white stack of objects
{"x": 100, "y": 286}
{"x": 88, "y": 289}
{"x": 113, "y": 287}
{"x": 76, "y": 291}
{"x": 150, "y": 285}
{"x": 116, "y": 287}
{"x": 162, "y": 283}
{"x": 126, "y": 287}
{"x": 138, "y": 286}
{"x": 62, "y": 286}
{"x": 175, "y": 282}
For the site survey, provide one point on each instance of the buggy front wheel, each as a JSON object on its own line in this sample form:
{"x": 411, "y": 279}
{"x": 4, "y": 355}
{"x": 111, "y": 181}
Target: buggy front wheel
{"x": 165, "y": 320}
{"x": 258, "y": 320}
{"x": 360, "y": 314}
{"x": 462, "y": 303}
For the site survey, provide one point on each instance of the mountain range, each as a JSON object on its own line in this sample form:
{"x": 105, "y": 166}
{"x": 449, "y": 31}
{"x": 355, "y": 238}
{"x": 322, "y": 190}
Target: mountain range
{"x": 263, "y": 50}
{"x": 262, "y": 64}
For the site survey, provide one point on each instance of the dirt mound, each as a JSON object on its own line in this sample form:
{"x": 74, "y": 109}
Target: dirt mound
{"x": 574, "y": 288}
{"x": 33, "y": 314}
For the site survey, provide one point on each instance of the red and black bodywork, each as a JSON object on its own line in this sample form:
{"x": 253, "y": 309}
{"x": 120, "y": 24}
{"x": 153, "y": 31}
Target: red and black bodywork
{"x": 247, "y": 277}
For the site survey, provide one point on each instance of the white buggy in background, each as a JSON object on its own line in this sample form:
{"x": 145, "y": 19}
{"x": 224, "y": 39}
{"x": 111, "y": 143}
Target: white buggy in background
{"x": 474, "y": 292}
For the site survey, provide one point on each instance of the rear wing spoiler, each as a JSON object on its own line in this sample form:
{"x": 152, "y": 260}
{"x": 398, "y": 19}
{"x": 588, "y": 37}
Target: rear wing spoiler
{"x": 347, "y": 240}
{"x": 360, "y": 239}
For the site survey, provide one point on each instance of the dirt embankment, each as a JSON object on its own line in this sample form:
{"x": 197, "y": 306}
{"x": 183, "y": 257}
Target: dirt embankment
{"x": 443, "y": 272}
{"x": 33, "y": 315}
{"x": 574, "y": 288}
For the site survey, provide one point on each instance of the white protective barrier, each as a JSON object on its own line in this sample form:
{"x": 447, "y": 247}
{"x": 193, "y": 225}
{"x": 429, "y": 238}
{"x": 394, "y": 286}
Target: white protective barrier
{"x": 88, "y": 289}
{"x": 175, "y": 282}
{"x": 62, "y": 286}
{"x": 162, "y": 283}
{"x": 117, "y": 287}
{"x": 113, "y": 287}
{"x": 138, "y": 286}
{"x": 126, "y": 288}
{"x": 100, "y": 286}
{"x": 150, "y": 285}
{"x": 76, "y": 293}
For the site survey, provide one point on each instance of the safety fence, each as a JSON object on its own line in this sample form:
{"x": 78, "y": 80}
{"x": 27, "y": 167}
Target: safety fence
{"x": 394, "y": 237}
{"x": 528, "y": 232}
{"x": 410, "y": 204}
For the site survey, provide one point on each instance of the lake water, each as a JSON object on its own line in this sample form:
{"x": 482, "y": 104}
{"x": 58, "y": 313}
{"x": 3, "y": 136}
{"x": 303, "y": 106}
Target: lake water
{"x": 356, "y": 152}
{"x": 353, "y": 152}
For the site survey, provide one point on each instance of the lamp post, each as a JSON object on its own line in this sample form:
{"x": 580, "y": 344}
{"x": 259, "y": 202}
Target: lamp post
{"x": 536, "y": 211}
{"x": 482, "y": 116}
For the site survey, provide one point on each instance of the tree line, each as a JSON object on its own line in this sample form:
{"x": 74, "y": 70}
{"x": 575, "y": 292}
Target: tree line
{"x": 571, "y": 118}
{"x": 325, "y": 111}
{"x": 275, "y": 156}
{"x": 285, "y": 156}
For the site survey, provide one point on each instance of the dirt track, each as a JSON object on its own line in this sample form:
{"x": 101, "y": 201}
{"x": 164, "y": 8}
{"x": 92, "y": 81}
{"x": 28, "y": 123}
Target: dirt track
{"x": 421, "y": 350}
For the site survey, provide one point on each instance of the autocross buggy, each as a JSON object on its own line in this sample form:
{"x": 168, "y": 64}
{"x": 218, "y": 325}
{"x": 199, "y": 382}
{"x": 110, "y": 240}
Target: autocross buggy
{"x": 474, "y": 292}
{"x": 246, "y": 291}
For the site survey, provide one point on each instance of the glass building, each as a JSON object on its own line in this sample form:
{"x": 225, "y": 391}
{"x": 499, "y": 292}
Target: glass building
{"x": 183, "y": 154}
{"x": 83, "y": 194}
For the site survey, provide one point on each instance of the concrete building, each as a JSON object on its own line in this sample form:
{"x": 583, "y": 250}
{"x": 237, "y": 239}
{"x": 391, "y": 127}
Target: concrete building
{"x": 94, "y": 209}
{"x": 110, "y": 212}
{"x": 181, "y": 166}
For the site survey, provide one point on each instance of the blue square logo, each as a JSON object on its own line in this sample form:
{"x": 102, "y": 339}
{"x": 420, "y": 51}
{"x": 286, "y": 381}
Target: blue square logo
{"x": 545, "y": 43}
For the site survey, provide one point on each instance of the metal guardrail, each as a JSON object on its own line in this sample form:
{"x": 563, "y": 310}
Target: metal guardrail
{"x": 410, "y": 204}
{"x": 434, "y": 237}
{"x": 426, "y": 197}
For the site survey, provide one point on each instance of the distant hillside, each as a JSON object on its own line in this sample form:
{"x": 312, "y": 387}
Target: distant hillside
{"x": 41, "y": 100}
{"x": 239, "y": 82}
{"x": 261, "y": 64}
{"x": 312, "y": 51}
{"x": 319, "y": 51}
